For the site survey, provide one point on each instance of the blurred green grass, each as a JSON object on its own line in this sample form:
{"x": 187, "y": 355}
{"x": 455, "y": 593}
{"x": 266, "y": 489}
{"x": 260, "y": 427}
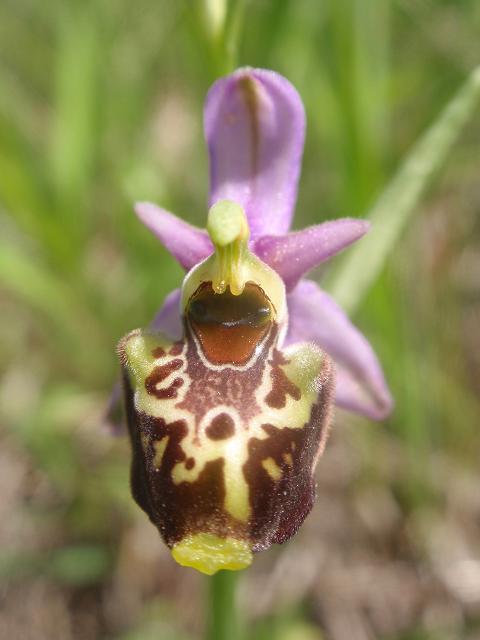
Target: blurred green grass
{"x": 100, "y": 105}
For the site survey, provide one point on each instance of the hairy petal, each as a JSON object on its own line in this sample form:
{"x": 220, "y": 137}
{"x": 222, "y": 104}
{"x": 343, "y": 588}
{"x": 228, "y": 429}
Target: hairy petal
{"x": 315, "y": 316}
{"x": 187, "y": 244}
{"x": 113, "y": 416}
{"x": 294, "y": 254}
{"x": 353, "y": 396}
{"x": 255, "y": 127}
{"x": 168, "y": 319}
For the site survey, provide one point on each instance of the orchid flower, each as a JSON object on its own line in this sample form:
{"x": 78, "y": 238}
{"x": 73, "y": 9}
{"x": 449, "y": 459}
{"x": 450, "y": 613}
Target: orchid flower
{"x": 229, "y": 392}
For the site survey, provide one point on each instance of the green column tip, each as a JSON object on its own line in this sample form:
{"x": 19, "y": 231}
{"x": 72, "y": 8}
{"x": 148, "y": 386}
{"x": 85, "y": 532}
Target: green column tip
{"x": 228, "y": 229}
{"x": 227, "y": 223}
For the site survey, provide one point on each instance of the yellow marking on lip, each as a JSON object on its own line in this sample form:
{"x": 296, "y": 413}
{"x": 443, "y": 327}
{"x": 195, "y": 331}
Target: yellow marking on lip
{"x": 305, "y": 369}
{"x": 233, "y": 451}
{"x": 180, "y": 473}
{"x": 236, "y": 488}
{"x": 272, "y": 468}
{"x": 288, "y": 459}
{"x": 160, "y": 447}
{"x": 209, "y": 553}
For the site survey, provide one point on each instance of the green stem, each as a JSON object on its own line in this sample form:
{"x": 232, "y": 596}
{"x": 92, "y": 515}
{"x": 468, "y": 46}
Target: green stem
{"x": 223, "y": 619}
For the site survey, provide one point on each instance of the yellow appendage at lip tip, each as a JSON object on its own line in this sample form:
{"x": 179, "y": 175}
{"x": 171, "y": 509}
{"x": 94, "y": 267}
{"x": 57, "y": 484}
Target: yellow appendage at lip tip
{"x": 209, "y": 553}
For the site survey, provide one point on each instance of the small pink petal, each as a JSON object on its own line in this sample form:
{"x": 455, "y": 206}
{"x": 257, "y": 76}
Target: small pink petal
{"x": 294, "y": 254}
{"x": 188, "y": 244}
{"x": 168, "y": 319}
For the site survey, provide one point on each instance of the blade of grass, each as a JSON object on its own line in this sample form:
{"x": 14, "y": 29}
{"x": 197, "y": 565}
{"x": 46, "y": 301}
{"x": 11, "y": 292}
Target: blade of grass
{"x": 359, "y": 269}
{"x": 35, "y": 285}
{"x": 25, "y": 194}
{"x": 74, "y": 139}
{"x": 38, "y": 287}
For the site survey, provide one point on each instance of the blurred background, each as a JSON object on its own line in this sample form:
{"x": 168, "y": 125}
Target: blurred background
{"x": 101, "y": 105}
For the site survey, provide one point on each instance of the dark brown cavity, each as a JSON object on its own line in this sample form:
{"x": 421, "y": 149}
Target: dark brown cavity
{"x": 229, "y": 327}
{"x": 211, "y": 388}
{"x": 221, "y": 427}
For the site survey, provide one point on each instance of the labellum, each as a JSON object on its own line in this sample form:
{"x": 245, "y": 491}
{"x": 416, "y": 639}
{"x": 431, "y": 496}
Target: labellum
{"x": 226, "y": 424}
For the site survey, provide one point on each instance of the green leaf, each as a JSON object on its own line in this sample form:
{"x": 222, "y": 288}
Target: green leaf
{"x": 363, "y": 263}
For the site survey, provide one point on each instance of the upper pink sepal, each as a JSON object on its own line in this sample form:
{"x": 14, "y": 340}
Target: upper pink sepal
{"x": 255, "y": 127}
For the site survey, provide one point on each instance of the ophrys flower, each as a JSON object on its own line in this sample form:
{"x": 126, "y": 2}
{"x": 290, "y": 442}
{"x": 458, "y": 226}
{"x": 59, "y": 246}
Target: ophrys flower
{"x": 230, "y": 389}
